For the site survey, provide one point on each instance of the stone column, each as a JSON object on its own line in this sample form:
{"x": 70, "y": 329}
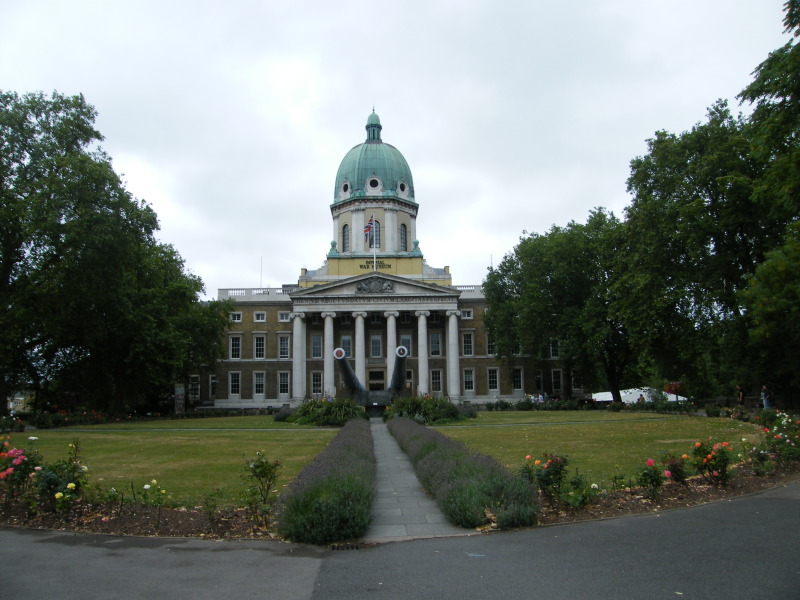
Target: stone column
{"x": 391, "y": 229}
{"x": 328, "y": 386}
{"x": 422, "y": 351}
{"x": 391, "y": 342}
{"x": 453, "y": 368}
{"x": 298, "y": 356}
{"x": 358, "y": 231}
{"x": 360, "y": 345}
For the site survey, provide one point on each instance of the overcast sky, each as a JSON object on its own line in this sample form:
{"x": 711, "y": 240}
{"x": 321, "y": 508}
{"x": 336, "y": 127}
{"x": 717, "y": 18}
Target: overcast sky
{"x": 232, "y": 121}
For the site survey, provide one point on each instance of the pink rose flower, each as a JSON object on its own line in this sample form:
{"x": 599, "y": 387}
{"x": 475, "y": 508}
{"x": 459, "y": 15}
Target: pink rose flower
{"x": 667, "y": 473}
{"x": 650, "y": 462}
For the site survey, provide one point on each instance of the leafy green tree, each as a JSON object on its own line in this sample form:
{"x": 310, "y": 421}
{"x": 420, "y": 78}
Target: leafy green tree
{"x": 773, "y": 302}
{"x": 560, "y": 285}
{"x": 93, "y": 310}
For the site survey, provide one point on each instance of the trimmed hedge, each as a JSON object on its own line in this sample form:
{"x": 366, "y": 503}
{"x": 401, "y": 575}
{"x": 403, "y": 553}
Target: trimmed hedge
{"x": 468, "y": 487}
{"x": 330, "y": 500}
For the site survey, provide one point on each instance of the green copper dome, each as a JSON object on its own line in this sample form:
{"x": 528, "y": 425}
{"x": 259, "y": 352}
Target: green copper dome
{"x": 374, "y": 169}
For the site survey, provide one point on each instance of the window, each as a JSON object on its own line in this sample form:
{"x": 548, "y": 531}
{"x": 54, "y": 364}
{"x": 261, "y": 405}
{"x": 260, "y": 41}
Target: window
{"x": 493, "y": 380}
{"x": 466, "y": 314}
{"x": 375, "y": 235}
{"x": 435, "y": 318}
{"x": 556, "y": 380}
{"x": 405, "y": 340}
{"x": 212, "y": 386}
{"x": 316, "y": 382}
{"x": 260, "y": 317}
{"x": 346, "y": 318}
{"x": 436, "y": 381}
{"x": 283, "y": 317}
{"x": 194, "y": 387}
{"x": 259, "y": 346}
{"x": 435, "y": 344}
{"x": 346, "y": 238}
{"x": 316, "y": 346}
{"x": 258, "y": 383}
{"x": 235, "y": 347}
{"x": 490, "y": 346}
{"x": 236, "y": 317}
{"x": 403, "y": 238}
{"x": 375, "y": 346}
{"x": 405, "y": 318}
{"x": 283, "y": 347}
{"x": 347, "y": 345}
{"x": 554, "y": 348}
{"x": 283, "y": 383}
{"x": 375, "y": 318}
{"x": 516, "y": 378}
{"x": 466, "y": 344}
{"x": 469, "y": 380}
{"x": 234, "y": 383}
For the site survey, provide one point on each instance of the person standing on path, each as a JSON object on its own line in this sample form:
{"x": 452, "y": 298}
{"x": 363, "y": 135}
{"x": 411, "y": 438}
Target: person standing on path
{"x": 766, "y": 397}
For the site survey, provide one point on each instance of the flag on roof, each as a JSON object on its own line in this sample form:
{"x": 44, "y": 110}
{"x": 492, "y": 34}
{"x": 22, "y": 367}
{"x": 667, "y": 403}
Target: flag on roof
{"x": 368, "y": 229}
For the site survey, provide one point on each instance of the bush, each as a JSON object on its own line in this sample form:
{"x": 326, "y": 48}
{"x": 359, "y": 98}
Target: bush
{"x": 470, "y": 488}
{"x": 712, "y": 461}
{"x": 548, "y": 473}
{"x": 651, "y": 479}
{"x": 676, "y": 467}
{"x": 425, "y": 409}
{"x": 328, "y": 412}
{"x": 330, "y": 500}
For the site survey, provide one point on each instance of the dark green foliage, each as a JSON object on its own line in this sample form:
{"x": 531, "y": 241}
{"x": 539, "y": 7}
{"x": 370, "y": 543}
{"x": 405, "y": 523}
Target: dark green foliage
{"x": 94, "y": 312}
{"x": 330, "y": 500}
{"x": 468, "y": 487}
{"x": 426, "y": 409}
{"x": 327, "y": 412}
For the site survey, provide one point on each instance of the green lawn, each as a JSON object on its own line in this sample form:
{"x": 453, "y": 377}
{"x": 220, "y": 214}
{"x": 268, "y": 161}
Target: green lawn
{"x": 190, "y": 457}
{"x": 600, "y": 444}
{"x": 187, "y": 457}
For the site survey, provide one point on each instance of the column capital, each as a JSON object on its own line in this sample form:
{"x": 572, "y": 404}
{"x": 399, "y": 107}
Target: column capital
{"x": 359, "y": 313}
{"x": 391, "y": 313}
{"x": 297, "y": 315}
{"x": 327, "y": 314}
{"x": 453, "y": 313}
{"x": 422, "y": 313}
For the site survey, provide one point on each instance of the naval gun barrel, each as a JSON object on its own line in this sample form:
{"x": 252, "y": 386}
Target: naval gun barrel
{"x": 351, "y": 382}
{"x": 399, "y": 373}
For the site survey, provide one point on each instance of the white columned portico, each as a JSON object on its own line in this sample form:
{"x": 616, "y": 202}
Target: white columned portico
{"x": 361, "y": 356}
{"x": 422, "y": 350}
{"x": 298, "y": 356}
{"x": 453, "y": 368}
{"x": 328, "y": 386}
{"x": 391, "y": 342}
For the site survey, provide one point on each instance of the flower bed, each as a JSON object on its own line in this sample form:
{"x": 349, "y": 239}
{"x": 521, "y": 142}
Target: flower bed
{"x": 330, "y": 500}
{"x": 471, "y": 489}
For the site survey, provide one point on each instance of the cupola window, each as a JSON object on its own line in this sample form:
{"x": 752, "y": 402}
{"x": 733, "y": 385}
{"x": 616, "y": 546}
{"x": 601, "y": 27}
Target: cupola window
{"x": 373, "y": 183}
{"x": 403, "y": 238}
{"x": 346, "y": 238}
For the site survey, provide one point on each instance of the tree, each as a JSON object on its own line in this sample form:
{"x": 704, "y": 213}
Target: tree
{"x": 772, "y": 298}
{"x": 695, "y": 236}
{"x": 560, "y": 285}
{"x": 92, "y": 308}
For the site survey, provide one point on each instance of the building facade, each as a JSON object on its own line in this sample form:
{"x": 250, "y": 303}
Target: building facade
{"x": 375, "y": 292}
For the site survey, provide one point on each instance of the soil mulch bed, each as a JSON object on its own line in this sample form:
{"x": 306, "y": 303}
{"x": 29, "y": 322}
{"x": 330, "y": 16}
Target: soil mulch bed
{"x": 138, "y": 520}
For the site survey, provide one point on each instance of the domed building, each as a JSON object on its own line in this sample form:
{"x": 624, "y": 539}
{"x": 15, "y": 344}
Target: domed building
{"x": 374, "y": 293}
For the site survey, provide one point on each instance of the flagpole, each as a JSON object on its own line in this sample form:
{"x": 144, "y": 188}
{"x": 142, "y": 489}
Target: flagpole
{"x": 374, "y": 250}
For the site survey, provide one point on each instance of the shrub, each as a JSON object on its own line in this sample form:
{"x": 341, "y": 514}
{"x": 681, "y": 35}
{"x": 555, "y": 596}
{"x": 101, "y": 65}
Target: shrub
{"x": 425, "y": 409}
{"x": 548, "y": 474}
{"x": 283, "y": 414}
{"x": 651, "y": 479}
{"x": 712, "y": 461}
{"x": 782, "y": 439}
{"x": 712, "y": 410}
{"x": 330, "y": 500}
{"x": 328, "y": 412}
{"x": 676, "y": 467}
{"x": 258, "y": 497}
{"x": 470, "y": 488}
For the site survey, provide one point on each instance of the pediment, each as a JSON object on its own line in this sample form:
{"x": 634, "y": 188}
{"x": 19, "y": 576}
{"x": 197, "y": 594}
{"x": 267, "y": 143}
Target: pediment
{"x": 376, "y": 285}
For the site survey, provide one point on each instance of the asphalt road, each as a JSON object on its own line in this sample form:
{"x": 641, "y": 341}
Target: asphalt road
{"x": 744, "y": 548}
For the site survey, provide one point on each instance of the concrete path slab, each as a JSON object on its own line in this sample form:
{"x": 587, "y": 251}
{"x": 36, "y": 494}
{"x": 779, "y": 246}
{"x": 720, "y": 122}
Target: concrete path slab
{"x": 402, "y": 510}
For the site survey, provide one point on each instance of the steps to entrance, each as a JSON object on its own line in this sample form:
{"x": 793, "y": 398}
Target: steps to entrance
{"x": 402, "y": 510}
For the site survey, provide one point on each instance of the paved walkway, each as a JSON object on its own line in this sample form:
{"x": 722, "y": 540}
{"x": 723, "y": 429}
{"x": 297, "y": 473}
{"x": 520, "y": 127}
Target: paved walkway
{"x": 402, "y": 510}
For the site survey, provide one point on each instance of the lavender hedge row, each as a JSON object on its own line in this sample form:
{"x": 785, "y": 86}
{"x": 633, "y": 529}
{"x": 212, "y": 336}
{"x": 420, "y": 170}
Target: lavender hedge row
{"x": 470, "y": 488}
{"x": 330, "y": 500}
